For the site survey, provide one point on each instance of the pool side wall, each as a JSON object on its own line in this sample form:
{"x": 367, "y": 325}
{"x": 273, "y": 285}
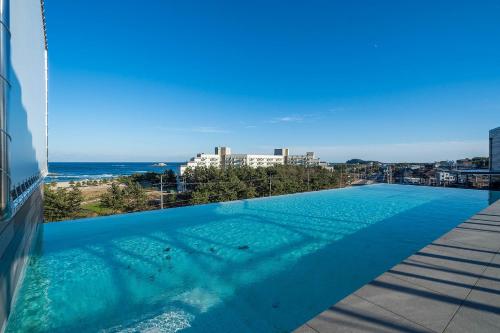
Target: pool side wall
{"x": 16, "y": 237}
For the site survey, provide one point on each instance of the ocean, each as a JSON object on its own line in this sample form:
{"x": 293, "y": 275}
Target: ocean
{"x": 78, "y": 171}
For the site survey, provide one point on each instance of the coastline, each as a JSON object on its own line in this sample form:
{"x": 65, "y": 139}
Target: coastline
{"x": 84, "y": 171}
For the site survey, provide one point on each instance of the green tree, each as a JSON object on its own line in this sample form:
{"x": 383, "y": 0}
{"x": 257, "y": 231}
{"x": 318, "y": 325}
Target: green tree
{"x": 113, "y": 198}
{"x": 54, "y": 206}
{"x": 61, "y": 203}
{"x": 74, "y": 199}
{"x": 135, "y": 197}
{"x": 126, "y": 198}
{"x": 232, "y": 183}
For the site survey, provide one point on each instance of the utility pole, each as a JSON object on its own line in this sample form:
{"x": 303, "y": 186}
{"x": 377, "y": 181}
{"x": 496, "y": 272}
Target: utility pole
{"x": 341, "y": 167}
{"x": 161, "y": 191}
{"x": 308, "y": 181}
{"x": 270, "y": 188}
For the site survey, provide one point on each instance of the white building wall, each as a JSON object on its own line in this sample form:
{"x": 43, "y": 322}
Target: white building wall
{"x": 264, "y": 161}
{"x": 443, "y": 176}
{"x": 27, "y": 99}
{"x": 202, "y": 160}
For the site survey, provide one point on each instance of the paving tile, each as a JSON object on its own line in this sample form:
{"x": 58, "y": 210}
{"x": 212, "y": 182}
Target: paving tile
{"x": 492, "y": 212}
{"x": 439, "y": 258}
{"x": 479, "y": 227}
{"x": 480, "y": 312}
{"x": 487, "y": 289}
{"x": 420, "y": 305}
{"x": 456, "y": 245}
{"x": 482, "y": 224}
{"x": 354, "y": 314}
{"x": 485, "y": 219}
{"x": 467, "y": 321}
{"x": 473, "y": 238}
{"x": 440, "y": 280}
{"x": 305, "y": 329}
{"x": 458, "y": 253}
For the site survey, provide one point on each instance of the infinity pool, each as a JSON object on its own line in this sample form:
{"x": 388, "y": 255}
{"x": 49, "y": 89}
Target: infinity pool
{"x": 262, "y": 265}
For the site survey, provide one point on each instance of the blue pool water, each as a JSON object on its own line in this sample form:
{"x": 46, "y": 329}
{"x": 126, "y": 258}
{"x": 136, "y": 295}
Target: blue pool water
{"x": 262, "y": 265}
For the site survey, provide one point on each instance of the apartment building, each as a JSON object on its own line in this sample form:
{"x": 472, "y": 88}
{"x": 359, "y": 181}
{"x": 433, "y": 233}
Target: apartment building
{"x": 253, "y": 160}
{"x": 305, "y": 160}
{"x": 23, "y": 138}
{"x": 224, "y": 158}
{"x": 202, "y": 160}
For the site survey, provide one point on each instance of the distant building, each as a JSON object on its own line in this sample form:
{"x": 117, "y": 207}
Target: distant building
{"x": 202, "y": 160}
{"x": 495, "y": 149}
{"x": 444, "y": 164}
{"x": 445, "y": 177}
{"x": 224, "y": 158}
{"x": 412, "y": 180}
{"x": 253, "y": 161}
{"x": 222, "y": 151}
{"x": 494, "y": 158}
{"x": 305, "y": 160}
{"x": 281, "y": 151}
{"x": 465, "y": 163}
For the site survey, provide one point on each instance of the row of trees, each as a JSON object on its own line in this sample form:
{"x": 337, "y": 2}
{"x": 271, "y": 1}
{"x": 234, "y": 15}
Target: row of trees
{"x": 66, "y": 203}
{"x": 205, "y": 185}
{"x": 201, "y": 185}
{"x": 124, "y": 194}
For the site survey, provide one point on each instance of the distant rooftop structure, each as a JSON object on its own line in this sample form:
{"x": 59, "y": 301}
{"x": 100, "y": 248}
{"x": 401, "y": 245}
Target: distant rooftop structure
{"x": 494, "y": 148}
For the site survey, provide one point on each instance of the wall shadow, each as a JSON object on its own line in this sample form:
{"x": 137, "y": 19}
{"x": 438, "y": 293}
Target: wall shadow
{"x": 17, "y": 231}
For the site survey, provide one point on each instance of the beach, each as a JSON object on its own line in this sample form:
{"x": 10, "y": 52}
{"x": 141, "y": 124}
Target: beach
{"x": 83, "y": 171}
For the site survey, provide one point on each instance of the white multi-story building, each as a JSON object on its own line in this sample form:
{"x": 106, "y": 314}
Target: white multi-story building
{"x": 202, "y": 160}
{"x": 253, "y": 161}
{"x": 445, "y": 177}
{"x": 224, "y": 158}
{"x": 305, "y": 160}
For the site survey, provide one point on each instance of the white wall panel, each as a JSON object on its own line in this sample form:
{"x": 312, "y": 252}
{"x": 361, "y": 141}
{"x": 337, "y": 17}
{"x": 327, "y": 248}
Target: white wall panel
{"x": 26, "y": 112}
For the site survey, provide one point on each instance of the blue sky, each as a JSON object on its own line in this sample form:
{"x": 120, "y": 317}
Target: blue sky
{"x": 161, "y": 80}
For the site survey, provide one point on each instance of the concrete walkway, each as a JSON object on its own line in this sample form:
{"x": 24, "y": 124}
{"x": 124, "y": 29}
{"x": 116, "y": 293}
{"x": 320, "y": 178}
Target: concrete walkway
{"x": 451, "y": 285}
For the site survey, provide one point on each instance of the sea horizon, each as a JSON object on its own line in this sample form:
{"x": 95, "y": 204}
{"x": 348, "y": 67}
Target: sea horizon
{"x": 81, "y": 171}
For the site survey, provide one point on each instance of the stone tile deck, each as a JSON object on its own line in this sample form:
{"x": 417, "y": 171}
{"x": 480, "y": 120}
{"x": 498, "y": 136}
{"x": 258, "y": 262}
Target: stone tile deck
{"x": 451, "y": 285}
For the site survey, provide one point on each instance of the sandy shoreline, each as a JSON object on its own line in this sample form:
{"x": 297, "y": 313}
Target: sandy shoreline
{"x": 92, "y": 193}
{"x": 67, "y": 185}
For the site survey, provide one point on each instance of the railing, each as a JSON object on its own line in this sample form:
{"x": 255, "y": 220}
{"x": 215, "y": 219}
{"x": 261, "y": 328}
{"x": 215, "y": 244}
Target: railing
{"x": 20, "y": 193}
{"x": 4, "y": 193}
{"x": 4, "y": 88}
